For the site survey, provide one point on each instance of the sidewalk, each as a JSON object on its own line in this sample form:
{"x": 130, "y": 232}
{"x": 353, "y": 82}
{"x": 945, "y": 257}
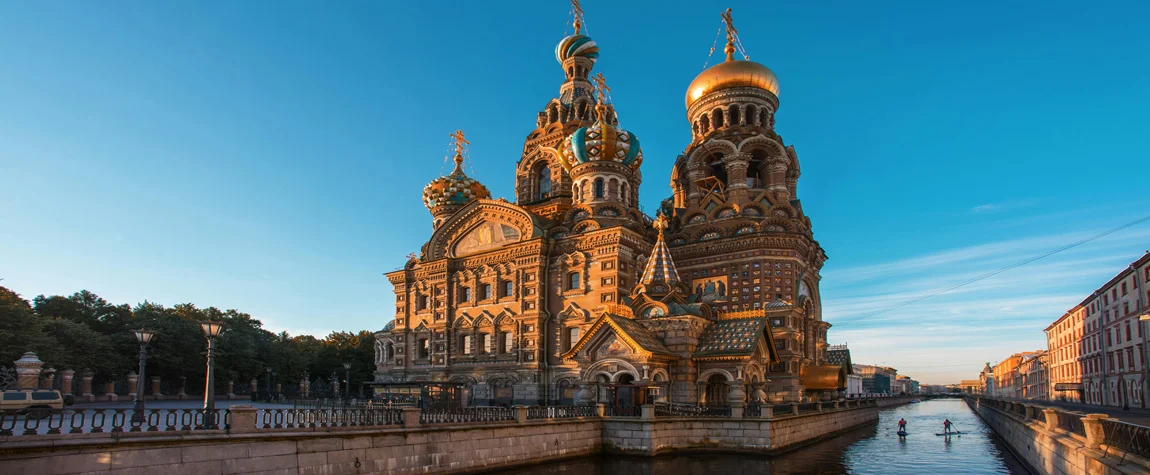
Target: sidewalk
{"x": 1135, "y": 415}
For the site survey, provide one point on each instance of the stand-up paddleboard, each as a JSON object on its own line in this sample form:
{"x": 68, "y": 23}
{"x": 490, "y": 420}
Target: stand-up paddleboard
{"x": 948, "y": 434}
{"x": 902, "y": 433}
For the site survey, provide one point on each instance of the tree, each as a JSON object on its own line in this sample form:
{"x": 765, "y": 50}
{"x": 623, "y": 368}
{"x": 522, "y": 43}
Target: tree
{"x": 20, "y": 329}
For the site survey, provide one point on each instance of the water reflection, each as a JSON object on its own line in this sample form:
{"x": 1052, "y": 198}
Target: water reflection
{"x": 874, "y": 449}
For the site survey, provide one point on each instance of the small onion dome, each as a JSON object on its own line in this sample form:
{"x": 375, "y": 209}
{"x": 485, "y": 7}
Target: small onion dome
{"x": 454, "y": 189}
{"x": 390, "y": 326}
{"x": 576, "y": 45}
{"x": 732, "y": 73}
{"x": 600, "y": 142}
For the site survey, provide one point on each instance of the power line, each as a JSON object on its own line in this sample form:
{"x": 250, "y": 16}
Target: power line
{"x": 999, "y": 271}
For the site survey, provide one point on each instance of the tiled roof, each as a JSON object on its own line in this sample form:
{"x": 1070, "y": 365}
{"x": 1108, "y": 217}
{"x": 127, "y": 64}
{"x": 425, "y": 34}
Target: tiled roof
{"x": 731, "y": 337}
{"x": 842, "y": 358}
{"x": 660, "y": 268}
{"x": 639, "y": 334}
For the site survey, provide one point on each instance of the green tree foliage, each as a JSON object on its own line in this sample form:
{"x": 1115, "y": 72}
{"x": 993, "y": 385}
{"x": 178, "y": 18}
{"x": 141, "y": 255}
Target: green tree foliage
{"x": 86, "y": 333}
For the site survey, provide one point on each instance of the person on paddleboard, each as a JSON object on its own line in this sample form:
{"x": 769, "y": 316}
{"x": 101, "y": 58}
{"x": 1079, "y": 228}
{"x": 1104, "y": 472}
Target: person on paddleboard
{"x": 946, "y": 426}
{"x": 902, "y": 425}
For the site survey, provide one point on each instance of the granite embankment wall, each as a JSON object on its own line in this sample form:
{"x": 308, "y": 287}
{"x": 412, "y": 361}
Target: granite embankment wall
{"x": 1033, "y": 433}
{"x": 412, "y": 447}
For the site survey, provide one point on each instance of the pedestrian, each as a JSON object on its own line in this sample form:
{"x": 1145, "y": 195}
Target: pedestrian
{"x": 946, "y": 426}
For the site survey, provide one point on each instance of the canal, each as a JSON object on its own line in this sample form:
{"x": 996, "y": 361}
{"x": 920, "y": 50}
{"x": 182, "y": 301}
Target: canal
{"x": 874, "y": 449}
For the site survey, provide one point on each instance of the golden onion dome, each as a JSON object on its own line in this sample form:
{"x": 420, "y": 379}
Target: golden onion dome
{"x": 732, "y": 73}
{"x": 456, "y": 188}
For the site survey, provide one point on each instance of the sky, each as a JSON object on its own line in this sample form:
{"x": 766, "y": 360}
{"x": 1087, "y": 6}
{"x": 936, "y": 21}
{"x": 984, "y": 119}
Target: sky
{"x": 268, "y": 156}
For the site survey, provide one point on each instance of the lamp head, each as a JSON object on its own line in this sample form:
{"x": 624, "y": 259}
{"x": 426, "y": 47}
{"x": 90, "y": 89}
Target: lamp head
{"x": 212, "y": 328}
{"x": 144, "y": 336}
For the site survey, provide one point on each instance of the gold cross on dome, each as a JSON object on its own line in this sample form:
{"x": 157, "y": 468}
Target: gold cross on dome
{"x": 578, "y": 12}
{"x": 732, "y": 33}
{"x": 601, "y": 86}
{"x": 459, "y": 141}
{"x": 661, "y": 223}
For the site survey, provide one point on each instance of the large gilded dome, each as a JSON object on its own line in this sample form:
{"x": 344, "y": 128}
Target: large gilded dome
{"x": 732, "y": 73}
{"x": 600, "y": 141}
{"x": 454, "y": 189}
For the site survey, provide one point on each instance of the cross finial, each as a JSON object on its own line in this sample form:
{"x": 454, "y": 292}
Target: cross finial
{"x": 661, "y": 223}
{"x": 577, "y": 11}
{"x": 411, "y": 256}
{"x": 731, "y": 33}
{"x": 602, "y": 89}
{"x": 459, "y": 143}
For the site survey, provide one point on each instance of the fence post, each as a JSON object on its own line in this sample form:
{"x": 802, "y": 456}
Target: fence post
{"x": 1092, "y": 425}
{"x": 768, "y": 412}
{"x": 600, "y": 410}
{"x": 243, "y": 419}
{"x": 1051, "y": 419}
{"x": 520, "y": 414}
{"x": 411, "y": 416}
{"x": 647, "y": 412}
{"x": 737, "y": 410}
{"x": 795, "y": 408}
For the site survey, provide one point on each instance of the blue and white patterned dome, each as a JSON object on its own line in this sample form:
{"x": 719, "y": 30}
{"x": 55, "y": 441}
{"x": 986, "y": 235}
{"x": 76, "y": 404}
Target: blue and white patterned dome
{"x": 576, "y": 45}
{"x": 600, "y": 142}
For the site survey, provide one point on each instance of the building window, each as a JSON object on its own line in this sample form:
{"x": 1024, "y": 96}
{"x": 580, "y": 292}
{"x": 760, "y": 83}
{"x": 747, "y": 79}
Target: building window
{"x": 465, "y": 294}
{"x": 424, "y": 348}
{"x": 507, "y": 343}
{"x": 572, "y": 337}
{"x": 486, "y": 291}
{"x": 544, "y": 183}
{"x": 573, "y": 281}
{"x": 598, "y": 187}
{"x": 422, "y": 302}
{"x": 485, "y": 344}
{"x": 507, "y": 288}
{"x": 465, "y": 344}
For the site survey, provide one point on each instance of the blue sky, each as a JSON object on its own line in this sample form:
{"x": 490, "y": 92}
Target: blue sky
{"x": 268, "y": 155}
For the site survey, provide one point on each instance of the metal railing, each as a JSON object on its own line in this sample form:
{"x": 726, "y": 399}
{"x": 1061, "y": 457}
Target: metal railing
{"x": 1070, "y": 422}
{"x": 560, "y": 412}
{"x": 467, "y": 414}
{"x": 1130, "y": 438}
{"x": 96, "y": 421}
{"x": 622, "y": 411}
{"x": 808, "y": 407}
{"x": 671, "y": 410}
{"x": 336, "y": 417}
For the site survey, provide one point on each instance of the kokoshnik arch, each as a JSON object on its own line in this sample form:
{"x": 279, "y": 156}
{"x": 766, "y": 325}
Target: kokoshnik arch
{"x": 572, "y": 288}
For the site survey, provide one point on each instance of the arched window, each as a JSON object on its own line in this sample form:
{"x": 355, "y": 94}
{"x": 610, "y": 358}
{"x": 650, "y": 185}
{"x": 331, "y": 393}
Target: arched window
{"x": 553, "y": 115}
{"x": 484, "y": 344}
{"x": 388, "y": 351}
{"x": 718, "y": 117}
{"x": 573, "y": 281}
{"x": 465, "y": 344}
{"x": 623, "y": 193}
{"x": 705, "y": 124}
{"x": 424, "y": 348}
{"x": 544, "y": 185}
{"x": 572, "y": 337}
{"x": 613, "y": 190}
{"x": 752, "y": 115}
{"x": 735, "y": 115}
{"x": 599, "y": 188}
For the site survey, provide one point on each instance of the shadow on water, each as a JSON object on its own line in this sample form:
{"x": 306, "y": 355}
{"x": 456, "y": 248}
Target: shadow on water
{"x": 870, "y": 449}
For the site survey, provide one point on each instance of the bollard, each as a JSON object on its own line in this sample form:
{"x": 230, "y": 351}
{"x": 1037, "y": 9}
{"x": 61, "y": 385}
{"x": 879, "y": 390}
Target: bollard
{"x": 647, "y": 412}
{"x": 795, "y": 408}
{"x": 768, "y": 412}
{"x": 1092, "y": 423}
{"x": 520, "y": 414}
{"x": 1051, "y": 419}
{"x": 411, "y": 416}
{"x": 600, "y": 410}
{"x": 243, "y": 419}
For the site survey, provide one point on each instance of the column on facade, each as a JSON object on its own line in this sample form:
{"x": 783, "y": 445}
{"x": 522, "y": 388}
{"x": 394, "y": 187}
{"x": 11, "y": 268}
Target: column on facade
{"x": 777, "y": 173}
{"x": 736, "y": 166}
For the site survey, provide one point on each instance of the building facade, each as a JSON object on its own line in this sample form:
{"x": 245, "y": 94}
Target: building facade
{"x": 1033, "y": 376}
{"x": 572, "y": 288}
{"x": 1065, "y": 342}
{"x": 1121, "y": 302}
{"x": 878, "y": 379}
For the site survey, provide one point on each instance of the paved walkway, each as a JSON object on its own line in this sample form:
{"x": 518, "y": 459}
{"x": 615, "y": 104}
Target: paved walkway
{"x": 1135, "y": 415}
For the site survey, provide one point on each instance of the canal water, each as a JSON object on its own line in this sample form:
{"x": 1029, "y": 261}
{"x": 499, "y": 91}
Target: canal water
{"x": 874, "y": 449}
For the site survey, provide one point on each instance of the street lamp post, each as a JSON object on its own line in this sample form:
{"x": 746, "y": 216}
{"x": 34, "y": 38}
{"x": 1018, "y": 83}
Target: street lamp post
{"x": 211, "y": 331}
{"x": 269, "y": 382}
{"x": 347, "y": 381}
{"x": 144, "y": 337}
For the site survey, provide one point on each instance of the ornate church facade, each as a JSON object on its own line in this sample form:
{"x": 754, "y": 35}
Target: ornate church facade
{"x": 572, "y": 290}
